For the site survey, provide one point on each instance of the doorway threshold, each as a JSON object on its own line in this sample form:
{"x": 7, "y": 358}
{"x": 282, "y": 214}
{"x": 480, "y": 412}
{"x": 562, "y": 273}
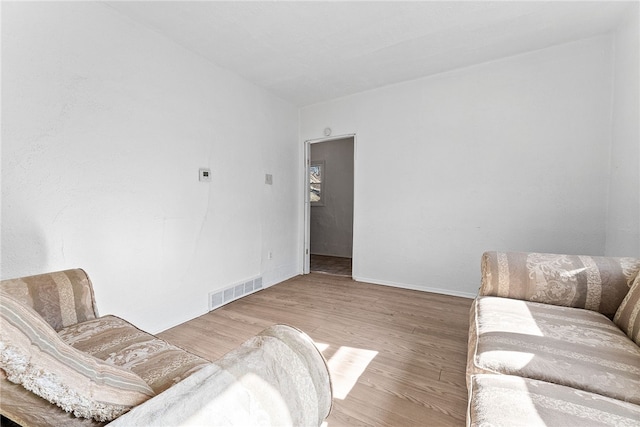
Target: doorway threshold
{"x": 337, "y": 266}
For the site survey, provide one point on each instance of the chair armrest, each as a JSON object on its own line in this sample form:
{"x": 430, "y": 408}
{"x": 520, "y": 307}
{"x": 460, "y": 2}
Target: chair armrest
{"x": 277, "y": 378}
{"x": 589, "y": 282}
{"x": 62, "y": 298}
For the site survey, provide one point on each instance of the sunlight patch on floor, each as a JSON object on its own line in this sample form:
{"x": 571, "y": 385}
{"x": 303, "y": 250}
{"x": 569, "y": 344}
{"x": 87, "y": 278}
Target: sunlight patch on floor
{"x": 346, "y": 366}
{"x": 321, "y": 346}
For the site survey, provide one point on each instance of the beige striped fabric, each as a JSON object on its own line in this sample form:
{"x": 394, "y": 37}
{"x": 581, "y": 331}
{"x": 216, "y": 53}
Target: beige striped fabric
{"x": 594, "y": 283}
{"x": 576, "y": 348}
{"x": 62, "y": 298}
{"x": 119, "y": 343}
{"x": 33, "y": 355}
{"x": 504, "y": 400}
{"x": 628, "y": 315}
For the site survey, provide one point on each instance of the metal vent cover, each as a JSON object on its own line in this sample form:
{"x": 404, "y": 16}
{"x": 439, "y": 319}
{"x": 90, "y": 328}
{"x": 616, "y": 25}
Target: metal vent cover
{"x": 219, "y": 298}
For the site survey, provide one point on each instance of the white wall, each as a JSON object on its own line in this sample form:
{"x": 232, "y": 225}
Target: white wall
{"x": 104, "y": 127}
{"x": 507, "y": 155}
{"x": 331, "y": 224}
{"x": 623, "y": 220}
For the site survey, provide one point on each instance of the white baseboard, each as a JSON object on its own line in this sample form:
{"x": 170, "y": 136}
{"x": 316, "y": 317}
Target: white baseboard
{"x": 280, "y": 274}
{"x": 416, "y": 287}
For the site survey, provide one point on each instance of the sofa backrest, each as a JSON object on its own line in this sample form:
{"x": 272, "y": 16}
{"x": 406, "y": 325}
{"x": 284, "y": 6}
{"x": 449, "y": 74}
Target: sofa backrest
{"x": 62, "y": 298}
{"x": 590, "y": 282}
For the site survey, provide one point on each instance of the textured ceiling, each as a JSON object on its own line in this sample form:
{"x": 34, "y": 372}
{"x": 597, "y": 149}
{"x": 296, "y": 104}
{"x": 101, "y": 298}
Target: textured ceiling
{"x": 307, "y": 52}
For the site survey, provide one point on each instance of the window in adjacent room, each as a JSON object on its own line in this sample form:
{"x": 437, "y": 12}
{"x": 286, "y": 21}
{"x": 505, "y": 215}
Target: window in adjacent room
{"x": 316, "y": 181}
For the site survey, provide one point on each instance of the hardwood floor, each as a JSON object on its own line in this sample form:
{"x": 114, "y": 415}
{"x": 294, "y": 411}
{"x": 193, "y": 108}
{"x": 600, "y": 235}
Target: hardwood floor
{"x": 330, "y": 265}
{"x": 397, "y": 357}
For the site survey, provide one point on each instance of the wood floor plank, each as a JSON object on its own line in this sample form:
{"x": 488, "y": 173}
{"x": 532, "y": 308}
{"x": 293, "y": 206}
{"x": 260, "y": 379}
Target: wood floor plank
{"x": 406, "y": 349}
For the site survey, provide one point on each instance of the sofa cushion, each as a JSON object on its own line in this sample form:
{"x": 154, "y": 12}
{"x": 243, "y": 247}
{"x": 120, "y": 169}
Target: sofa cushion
{"x": 628, "y": 315}
{"x": 504, "y": 400}
{"x": 568, "y": 346}
{"x": 594, "y": 283}
{"x": 33, "y": 355}
{"x": 62, "y": 298}
{"x": 119, "y": 343}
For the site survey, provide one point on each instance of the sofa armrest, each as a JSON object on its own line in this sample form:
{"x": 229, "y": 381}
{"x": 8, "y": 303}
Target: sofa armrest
{"x": 589, "y": 282}
{"x": 277, "y": 378}
{"x": 62, "y": 298}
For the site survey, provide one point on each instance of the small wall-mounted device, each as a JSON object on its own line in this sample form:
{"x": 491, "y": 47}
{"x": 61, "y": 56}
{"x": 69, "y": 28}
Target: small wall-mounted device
{"x": 268, "y": 179}
{"x": 205, "y": 174}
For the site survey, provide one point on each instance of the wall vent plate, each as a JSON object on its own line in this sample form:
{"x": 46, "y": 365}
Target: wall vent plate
{"x": 205, "y": 174}
{"x": 215, "y": 299}
{"x": 248, "y": 286}
{"x": 231, "y": 293}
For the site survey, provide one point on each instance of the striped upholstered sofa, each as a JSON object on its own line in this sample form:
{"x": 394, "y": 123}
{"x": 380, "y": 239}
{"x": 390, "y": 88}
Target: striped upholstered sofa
{"x": 554, "y": 341}
{"x": 63, "y": 364}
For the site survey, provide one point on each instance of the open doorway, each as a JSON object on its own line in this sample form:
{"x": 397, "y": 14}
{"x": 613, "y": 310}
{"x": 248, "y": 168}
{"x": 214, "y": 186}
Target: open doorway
{"x": 330, "y": 206}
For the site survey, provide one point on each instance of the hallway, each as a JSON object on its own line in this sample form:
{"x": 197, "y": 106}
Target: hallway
{"x": 337, "y": 266}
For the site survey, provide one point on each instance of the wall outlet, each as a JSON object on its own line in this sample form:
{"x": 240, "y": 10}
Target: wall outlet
{"x": 204, "y": 174}
{"x": 268, "y": 179}
{"x": 269, "y": 255}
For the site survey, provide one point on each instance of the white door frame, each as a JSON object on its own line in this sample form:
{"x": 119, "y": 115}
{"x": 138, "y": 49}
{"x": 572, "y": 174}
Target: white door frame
{"x": 307, "y": 204}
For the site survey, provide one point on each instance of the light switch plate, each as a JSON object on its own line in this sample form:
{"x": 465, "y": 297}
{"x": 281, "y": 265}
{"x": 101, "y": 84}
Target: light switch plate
{"x": 205, "y": 174}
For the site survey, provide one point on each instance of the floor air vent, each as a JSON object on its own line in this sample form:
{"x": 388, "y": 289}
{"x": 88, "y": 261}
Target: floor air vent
{"x": 232, "y": 293}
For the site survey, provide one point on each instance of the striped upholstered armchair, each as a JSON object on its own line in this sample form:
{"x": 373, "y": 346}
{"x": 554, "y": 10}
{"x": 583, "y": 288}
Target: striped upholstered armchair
{"x": 63, "y": 364}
